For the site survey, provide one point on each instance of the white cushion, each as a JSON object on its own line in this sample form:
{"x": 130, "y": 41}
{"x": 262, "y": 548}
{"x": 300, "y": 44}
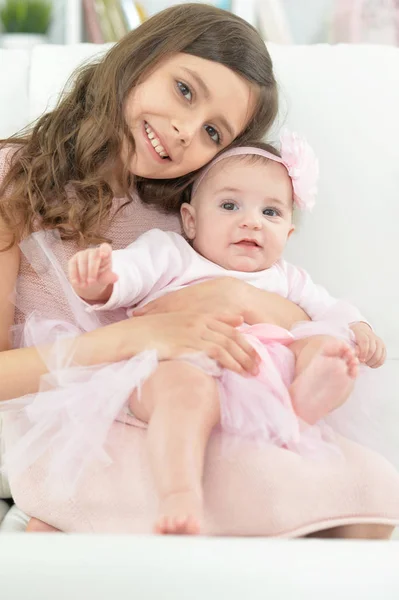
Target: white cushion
{"x": 97, "y": 567}
{"x": 4, "y": 508}
{"x": 15, "y": 521}
{"x": 345, "y": 100}
{"x": 4, "y": 486}
{"x": 14, "y": 103}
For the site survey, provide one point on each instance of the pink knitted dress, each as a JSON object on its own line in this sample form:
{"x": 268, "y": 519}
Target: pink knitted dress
{"x": 250, "y": 489}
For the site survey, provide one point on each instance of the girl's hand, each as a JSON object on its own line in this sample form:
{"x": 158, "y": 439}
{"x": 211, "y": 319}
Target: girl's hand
{"x": 175, "y": 334}
{"x": 371, "y": 349}
{"x": 230, "y": 296}
{"x": 90, "y": 273}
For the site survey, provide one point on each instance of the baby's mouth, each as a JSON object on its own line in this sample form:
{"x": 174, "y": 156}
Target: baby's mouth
{"x": 248, "y": 243}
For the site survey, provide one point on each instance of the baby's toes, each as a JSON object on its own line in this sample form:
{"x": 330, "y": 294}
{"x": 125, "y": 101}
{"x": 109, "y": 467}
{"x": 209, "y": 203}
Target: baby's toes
{"x": 334, "y": 349}
{"x": 346, "y": 352}
{"x": 352, "y": 363}
{"x": 180, "y": 524}
{"x": 353, "y": 369}
{"x": 162, "y": 525}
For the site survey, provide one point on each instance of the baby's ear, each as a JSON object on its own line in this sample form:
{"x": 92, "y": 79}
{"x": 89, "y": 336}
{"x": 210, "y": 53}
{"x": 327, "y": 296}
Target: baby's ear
{"x": 187, "y": 213}
{"x": 291, "y": 231}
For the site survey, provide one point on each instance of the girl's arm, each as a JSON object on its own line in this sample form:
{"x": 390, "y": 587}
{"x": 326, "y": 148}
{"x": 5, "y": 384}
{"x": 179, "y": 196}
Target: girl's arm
{"x": 231, "y": 296}
{"x": 15, "y": 378}
{"x": 170, "y": 334}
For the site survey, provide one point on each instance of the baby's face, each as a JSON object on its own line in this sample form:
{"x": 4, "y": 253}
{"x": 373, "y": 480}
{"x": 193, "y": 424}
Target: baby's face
{"x": 241, "y": 215}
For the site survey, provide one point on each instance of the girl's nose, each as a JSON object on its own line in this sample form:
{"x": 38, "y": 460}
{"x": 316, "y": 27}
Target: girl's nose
{"x": 184, "y": 130}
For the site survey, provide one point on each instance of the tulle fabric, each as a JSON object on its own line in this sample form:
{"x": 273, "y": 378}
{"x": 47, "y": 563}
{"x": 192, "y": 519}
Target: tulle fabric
{"x": 72, "y": 415}
{"x": 75, "y": 407}
{"x": 260, "y": 408}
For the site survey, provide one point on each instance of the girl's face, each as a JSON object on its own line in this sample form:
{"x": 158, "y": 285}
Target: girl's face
{"x": 241, "y": 216}
{"x": 183, "y": 114}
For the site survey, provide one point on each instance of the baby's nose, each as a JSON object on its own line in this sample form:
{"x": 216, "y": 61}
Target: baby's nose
{"x": 251, "y": 221}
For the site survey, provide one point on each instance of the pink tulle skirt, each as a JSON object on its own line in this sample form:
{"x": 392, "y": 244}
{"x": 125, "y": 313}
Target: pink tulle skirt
{"x": 76, "y": 406}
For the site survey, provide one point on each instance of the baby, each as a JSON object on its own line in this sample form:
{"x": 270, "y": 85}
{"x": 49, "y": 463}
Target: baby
{"x": 237, "y": 224}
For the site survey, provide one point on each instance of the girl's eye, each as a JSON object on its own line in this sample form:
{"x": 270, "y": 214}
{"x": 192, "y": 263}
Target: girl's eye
{"x": 213, "y": 134}
{"x": 185, "y": 90}
{"x": 271, "y": 212}
{"x": 229, "y": 206}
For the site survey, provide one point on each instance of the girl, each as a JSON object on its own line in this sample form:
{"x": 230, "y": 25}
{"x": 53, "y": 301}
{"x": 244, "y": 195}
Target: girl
{"x": 157, "y": 107}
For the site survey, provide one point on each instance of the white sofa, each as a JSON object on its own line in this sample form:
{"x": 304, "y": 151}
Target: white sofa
{"x": 345, "y": 99}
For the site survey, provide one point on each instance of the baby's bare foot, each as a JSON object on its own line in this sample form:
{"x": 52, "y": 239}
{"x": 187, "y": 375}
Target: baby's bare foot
{"x": 180, "y": 513}
{"x": 326, "y": 383}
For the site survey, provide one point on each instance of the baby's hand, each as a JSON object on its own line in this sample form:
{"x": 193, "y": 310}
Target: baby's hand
{"x": 90, "y": 273}
{"x": 370, "y": 348}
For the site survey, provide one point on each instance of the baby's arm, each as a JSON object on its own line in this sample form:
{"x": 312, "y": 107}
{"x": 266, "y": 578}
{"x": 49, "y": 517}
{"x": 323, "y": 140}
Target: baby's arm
{"x": 113, "y": 279}
{"x": 320, "y": 305}
{"x": 91, "y": 275}
{"x": 316, "y": 301}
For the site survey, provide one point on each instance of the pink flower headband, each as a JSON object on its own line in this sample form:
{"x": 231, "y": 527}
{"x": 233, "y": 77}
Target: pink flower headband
{"x": 297, "y": 157}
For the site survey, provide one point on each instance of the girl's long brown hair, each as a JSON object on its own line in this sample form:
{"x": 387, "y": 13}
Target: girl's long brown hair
{"x": 58, "y": 172}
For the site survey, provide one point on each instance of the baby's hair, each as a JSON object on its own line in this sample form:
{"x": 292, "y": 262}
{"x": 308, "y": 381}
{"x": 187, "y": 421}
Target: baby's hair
{"x": 248, "y": 158}
{"x": 61, "y": 163}
{"x": 253, "y": 159}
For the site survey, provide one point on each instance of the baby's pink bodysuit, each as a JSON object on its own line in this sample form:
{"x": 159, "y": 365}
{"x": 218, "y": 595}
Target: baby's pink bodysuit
{"x": 159, "y": 262}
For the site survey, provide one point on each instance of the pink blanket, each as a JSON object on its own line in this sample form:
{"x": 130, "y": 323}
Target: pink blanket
{"x": 248, "y": 490}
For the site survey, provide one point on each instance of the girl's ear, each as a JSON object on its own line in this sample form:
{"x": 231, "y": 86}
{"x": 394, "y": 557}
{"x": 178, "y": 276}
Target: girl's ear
{"x": 291, "y": 231}
{"x": 187, "y": 213}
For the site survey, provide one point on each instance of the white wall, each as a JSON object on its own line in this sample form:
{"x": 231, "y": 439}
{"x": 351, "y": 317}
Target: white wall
{"x": 57, "y": 29}
{"x": 308, "y": 19}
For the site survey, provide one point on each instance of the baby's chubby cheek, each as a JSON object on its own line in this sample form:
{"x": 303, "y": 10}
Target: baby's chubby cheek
{"x": 210, "y": 246}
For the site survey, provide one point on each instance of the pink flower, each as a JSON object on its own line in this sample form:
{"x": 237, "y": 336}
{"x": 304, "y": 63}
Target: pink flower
{"x": 303, "y": 168}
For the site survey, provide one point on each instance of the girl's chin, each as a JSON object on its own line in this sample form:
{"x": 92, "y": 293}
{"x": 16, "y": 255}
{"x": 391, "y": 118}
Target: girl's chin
{"x": 154, "y": 172}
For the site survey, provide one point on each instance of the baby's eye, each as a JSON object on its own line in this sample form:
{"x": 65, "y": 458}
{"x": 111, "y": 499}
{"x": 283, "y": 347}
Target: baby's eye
{"x": 213, "y": 134}
{"x": 185, "y": 90}
{"x": 271, "y": 212}
{"x": 229, "y": 206}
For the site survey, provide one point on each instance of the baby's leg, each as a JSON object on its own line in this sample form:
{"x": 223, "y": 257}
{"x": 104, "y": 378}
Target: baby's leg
{"x": 181, "y": 405}
{"x": 325, "y": 374}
